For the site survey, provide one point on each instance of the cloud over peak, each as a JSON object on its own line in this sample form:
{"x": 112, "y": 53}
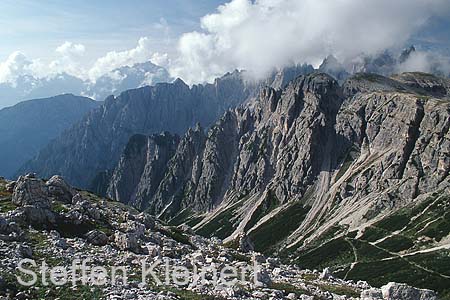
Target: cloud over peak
{"x": 67, "y": 59}
{"x": 115, "y": 59}
{"x": 263, "y": 34}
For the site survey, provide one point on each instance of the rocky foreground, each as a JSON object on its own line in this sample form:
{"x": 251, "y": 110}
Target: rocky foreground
{"x": 49, "y": 221}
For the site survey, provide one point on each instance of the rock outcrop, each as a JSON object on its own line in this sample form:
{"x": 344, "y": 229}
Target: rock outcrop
{"x": 129, "y": 240}
{"x": 315, "y": 161}
{"x": 94, "y": 145}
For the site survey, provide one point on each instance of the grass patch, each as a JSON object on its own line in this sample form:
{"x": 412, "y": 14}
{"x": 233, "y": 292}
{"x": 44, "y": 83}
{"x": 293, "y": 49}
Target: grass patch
{"x": 336, "y": 252}
{"x": 194, "y": 221}
{"x": 394, "y": 222}
{"x": 289, "y": 288}
{"x": 396, "y": 243}
{"x": 438, "y": 261}
{"x": 240, "y": 257}
{"x": 438, "y": 229}
{"x": 268, "y": 205}
{"x": 367, "y": 252}
{"x": 220, "y": 226}
{"x": 372, "y": 234}
{"x": 6, "y": 205}
{"x": 379, "y": 273}
{"x": 176, "y": 234}
{"x": 180, "y": 218}
{"x": 50, "y": 292}
{"x": 340, "y": 290}
{"x": 59, "y": 207}
{"x": 269, "y": 234}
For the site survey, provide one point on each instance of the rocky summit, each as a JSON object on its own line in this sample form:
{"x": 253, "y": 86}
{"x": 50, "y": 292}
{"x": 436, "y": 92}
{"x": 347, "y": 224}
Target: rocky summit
{"x": 51, "y": 224}
{"x": 88, "y": 152}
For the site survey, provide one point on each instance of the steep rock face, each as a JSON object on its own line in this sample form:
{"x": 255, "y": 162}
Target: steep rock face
{"x": 284, "y": 139}
{"x": 95, "y": 144}
{"x": 143, "y": 157}
{"x": 352, "y": 177}
{"x": 325, "y": 154}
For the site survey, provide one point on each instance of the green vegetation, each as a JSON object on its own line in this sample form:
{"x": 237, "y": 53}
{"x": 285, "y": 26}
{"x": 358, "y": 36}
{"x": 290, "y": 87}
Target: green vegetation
{"x": 221, "y": 226}
{"x": 369, "y": 77}
{"x": 394, "y": 222}
{"x": 59, "y": 207}
{"x": 372, "y": 234}
{"x": 268, "y": 204}
{"x": 289, "y": 288}
{"x": 438, "y": 261}
{"x": 378, "y": 273}
{"x": 367, "y": 252}
{"x": 380, "y": 263}
{"x": 194, "y": 221}
{"x": 340, "y": 290}
{"x": 176, "y": 234}
{"x": 336, "y": 252}
{"x": 439, "y": 228}
{"x": 266, "y": 237}
{"x": 180, "y": 218}
{"x": 234, "y": 244}
{"x": 50, "y": 292}
{"x": 5, "y": 199}
{"x": 6, "y": 205}
{"x": 396, "y": 243}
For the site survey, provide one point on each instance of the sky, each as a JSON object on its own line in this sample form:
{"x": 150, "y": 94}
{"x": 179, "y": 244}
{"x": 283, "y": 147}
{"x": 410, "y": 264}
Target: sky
{"x": 199, "y": 40}
{"x": 36, "y": 28}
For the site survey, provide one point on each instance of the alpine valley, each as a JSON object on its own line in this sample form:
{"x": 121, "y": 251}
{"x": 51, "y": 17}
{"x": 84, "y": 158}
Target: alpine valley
{"x": 339, "y": 189}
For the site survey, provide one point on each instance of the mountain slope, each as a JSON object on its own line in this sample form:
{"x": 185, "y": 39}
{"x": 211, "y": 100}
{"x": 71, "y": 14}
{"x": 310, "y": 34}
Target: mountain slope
{"x": 94, "y": 145}
{"x": 54, "y": 224}
{"x": 111, "y": 83}
{"x": 316, "y": 162}
{"x": 125, "y": 78}
{"x": 28, "y": 126}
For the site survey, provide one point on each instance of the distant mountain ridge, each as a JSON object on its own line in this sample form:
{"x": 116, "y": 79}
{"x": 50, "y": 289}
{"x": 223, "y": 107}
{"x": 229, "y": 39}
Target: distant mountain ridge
{"x": 28, "y": 126}
{"x": 95, "y": 144}
{"x": 124, "y": 78}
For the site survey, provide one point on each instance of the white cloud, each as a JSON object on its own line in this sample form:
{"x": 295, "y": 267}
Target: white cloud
{"x": 15, "y": 65}
{"x": 161, "y": 59}
{"x": 263, "y": 34}
{"x": 69, "y": 49}
{"x": 113, "y": 60}
{"x": 67, "y": 59}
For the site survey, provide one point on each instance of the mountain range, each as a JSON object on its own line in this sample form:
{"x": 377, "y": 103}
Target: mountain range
{"x": 30, "y": 125}
{"x": 347, "y": 172}
{"x": 352, "y": 177}
{"x": 94, "y": 145}
{"x": 27, "y": 87}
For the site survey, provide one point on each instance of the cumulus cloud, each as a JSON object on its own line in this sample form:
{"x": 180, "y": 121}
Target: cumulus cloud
{"x": 114, "y": 59}
{"x": 263, "y": 34}
{"x": 69, "y": 49}
{"x": 15, "y": 65}
{"x": 67, "y": 59}
{"x": 161, "y": 59}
